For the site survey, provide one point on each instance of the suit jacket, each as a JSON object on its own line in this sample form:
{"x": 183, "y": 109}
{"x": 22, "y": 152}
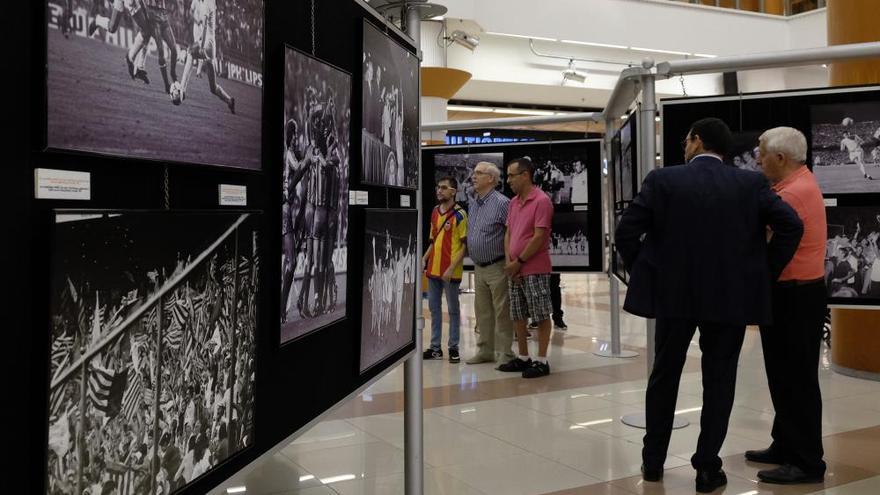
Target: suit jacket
{"x": 695, "y": 238}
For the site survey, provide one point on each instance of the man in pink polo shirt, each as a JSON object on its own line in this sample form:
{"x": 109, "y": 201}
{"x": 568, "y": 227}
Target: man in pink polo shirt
{"x": 527, "y": 249}
{"x": 792, "y": 343}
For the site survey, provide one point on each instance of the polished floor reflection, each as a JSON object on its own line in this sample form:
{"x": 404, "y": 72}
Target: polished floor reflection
{"x": 488, "y": 432}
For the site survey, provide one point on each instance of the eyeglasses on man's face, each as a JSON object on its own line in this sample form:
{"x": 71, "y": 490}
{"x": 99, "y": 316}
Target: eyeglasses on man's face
{"x": 444, "y": 187}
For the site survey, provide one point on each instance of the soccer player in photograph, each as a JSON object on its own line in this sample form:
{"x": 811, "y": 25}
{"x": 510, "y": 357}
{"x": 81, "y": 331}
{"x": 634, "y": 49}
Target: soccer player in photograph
{"x": 204, "y": 48}
{"x": 160, "y": 28}
{"x": 853, "y": 145}
{"x": 64, "y": 20}
{"x": 292, "y": 211}
{"x": 136, "y": 62}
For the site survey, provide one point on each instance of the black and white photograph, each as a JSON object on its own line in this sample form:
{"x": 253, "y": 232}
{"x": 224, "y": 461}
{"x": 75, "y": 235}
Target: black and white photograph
{"x": 744, "y": 151}
{"x": 390, "y": 281}
{"x": 569, "y": 246}
{"x": 623, "y": 162}
{"x": 390, "y": 145}
{"x": 314, "y": 208}
{"x": 852, "y": 255}
{"x": 165, "y": 335}
{"x": 461, "y": 167}
{"x": 845, "y": 146}
{"x": 167, "y": 80}
{"x": 560, "y": 171}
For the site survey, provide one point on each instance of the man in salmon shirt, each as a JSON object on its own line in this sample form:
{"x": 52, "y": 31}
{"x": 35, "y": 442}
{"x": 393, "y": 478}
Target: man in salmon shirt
{"x": 528, "y": 267}
{"x": 792, "y": 343}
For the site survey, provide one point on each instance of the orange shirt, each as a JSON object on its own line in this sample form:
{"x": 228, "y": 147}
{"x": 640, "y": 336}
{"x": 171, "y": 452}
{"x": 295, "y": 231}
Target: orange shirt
{"x": 801, "y": 191}
{"x": 448, "y": 235}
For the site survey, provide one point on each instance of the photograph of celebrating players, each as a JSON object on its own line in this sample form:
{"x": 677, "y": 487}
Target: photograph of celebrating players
{"x": 390, "y": 143}
{"x": 314, "y": 208}
{"x": 390, "y": 277}
{"x": 569, "y": 246}
{"x": 852, "y": 254}
{"x": 169, "y": 80}
{"x": 846, "y": 147}
{"x": 165, "y": 334}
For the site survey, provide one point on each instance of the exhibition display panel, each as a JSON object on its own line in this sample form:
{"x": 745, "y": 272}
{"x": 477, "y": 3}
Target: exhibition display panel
{"x": 842, "y": 127}
{"x": 624, "y": 180}
{"x": 569, "y": 172}
{"x": 161, "y": 352}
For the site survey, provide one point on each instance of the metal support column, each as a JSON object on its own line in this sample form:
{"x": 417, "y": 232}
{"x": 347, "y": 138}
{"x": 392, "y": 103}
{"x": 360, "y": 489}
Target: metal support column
{"x": 647, "y": 161}
{"x": 615, "y": 350}
{"x": 413, "y": 449}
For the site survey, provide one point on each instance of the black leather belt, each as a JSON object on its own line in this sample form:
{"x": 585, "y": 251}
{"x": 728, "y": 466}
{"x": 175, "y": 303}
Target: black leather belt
{"x": 484, "y": 265}
{"x": 798, "y": 283}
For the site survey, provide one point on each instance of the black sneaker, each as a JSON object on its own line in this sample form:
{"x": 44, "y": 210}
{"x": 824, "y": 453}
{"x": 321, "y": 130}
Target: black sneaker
{"x": 453, "y": 356}
{"x": 432, "y": 354}
{"x": 560, "y": 325}
{"x": 142, "y": 75}
{"x": 536, "y": 370}
{"x": 533, "y": 325}
{"x": 515, "y": 365}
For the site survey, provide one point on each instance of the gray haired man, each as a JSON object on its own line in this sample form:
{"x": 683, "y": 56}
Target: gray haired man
{"x": 487, "y": 215}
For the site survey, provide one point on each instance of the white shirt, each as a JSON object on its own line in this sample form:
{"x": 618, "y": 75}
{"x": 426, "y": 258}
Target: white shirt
{"x": 710, "y": 154}
{"x": 579, "y": 188}
{"x": 204, "y": 20}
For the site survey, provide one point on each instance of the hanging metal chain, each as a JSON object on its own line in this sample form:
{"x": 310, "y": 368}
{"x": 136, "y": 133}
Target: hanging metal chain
{"x": 314, "y": 49}
{"x": 683, "y": 89}
{"x": 166, "y": 188}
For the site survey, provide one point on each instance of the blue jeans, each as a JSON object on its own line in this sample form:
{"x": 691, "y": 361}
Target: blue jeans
{"x": 436, "y": 287}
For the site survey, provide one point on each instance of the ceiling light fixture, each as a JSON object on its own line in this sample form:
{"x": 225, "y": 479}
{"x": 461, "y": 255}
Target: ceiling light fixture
{"x": 655, "y": 50}
{"x": 589, "y": 43}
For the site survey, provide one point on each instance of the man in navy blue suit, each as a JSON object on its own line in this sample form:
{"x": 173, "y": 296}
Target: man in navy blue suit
{"x": 695, "y": 238}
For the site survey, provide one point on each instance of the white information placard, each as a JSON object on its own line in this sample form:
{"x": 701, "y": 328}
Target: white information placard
{"x": 404, "y": 200}
{"x": 62, "y": 184}
{"x": 233, "y": 195}
{"x": 363, "y": 198}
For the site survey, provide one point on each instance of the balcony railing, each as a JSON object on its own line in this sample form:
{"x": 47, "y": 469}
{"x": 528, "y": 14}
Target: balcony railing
{"x": 775, "y": 7}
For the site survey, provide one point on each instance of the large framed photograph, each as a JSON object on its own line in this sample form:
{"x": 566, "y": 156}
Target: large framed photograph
{"x": 845, "y": 147}
{"x": 852, "y": 257}
{"x": 569, "y": 244}
{"x": 390, "y": 278}
{"x": 461, "y": 167}
{"x": 153, "y": 326}
{"x": 390, "y": 133}
{"x": 171, "y": 81}
{"x": 314, "y": 209}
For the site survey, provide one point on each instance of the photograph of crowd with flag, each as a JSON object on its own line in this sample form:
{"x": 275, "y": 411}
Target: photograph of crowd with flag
{"x": 389, "y": 293}
{"x": 171, "y": 80}
{"x": 390, "y": 132}
{"x": 152, "y": 348}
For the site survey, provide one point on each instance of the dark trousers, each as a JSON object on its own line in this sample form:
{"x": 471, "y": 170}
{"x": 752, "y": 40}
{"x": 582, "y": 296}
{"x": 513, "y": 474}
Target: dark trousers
{"x": 791, "y": 357}
{"x": 556, "y": 297}
{"x": 720, "y": 345}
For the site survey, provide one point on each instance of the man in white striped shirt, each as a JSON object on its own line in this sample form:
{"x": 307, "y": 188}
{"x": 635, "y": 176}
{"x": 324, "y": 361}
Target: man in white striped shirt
{"x": 487, "y": 216}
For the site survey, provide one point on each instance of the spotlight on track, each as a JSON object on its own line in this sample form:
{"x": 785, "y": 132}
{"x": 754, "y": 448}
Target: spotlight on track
{"x": 464, "y": 39}
{"x": 572, "y": 74}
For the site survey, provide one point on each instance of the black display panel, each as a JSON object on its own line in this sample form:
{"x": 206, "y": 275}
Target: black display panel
{"x": 840, "y": 126}
{"x": 624, "y": 178}
{"x": 566, "y": 170}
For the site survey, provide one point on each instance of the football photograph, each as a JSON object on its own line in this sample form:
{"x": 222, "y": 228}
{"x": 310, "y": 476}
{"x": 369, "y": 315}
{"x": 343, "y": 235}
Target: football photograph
{"x": 845, "y": 147}
{"x": 169, "y": 80}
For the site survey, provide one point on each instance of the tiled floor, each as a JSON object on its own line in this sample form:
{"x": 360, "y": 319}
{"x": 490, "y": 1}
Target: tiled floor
{"x": 488, "y": 432}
